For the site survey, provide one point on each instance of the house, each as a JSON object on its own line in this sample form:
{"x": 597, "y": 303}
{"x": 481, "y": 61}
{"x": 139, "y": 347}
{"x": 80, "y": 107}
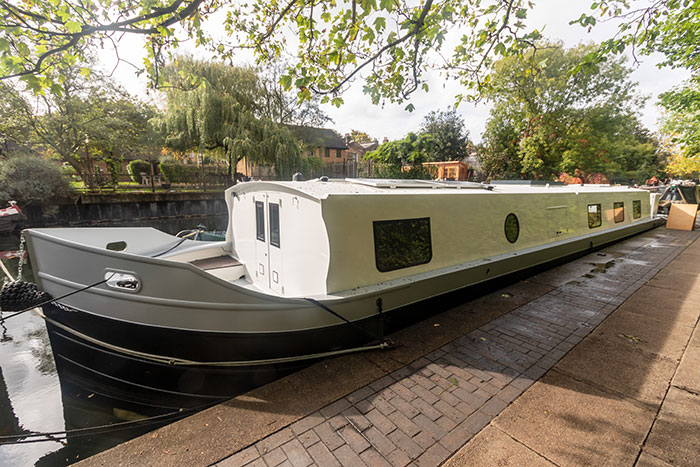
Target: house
{"x": 322, "y": 142}
{"x": 358, "y": 150}
{"x": 450, "y": 170}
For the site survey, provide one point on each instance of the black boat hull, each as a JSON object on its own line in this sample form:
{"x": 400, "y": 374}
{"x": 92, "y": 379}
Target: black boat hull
{"x": 143, "y": 380}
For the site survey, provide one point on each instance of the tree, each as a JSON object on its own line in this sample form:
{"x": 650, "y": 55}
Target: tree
{"x": 403, "y": 158}
{"x": 30, "y": 179}
{"x": 546, "y": 120}
{"x": 449, "y": 136}
{"x": 82, "y": 117}
{"x": 14, "y": 131}
{"x": 681, "y": 121}
{"x": 389, "y": 41}
{"x": 360, "y": 136}
{"x": 283, "y": 106}
{"x": 671, "y": 27}
{"x": 213, "y": 107}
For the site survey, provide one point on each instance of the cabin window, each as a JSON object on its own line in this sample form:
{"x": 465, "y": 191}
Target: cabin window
{"x": 337, "y": 153}
{"x": 595, "y": 216}
{"x": 275, "y": 224}
{"x": 260, "y": 220}
{"x": 328, "y": 152}
{"x": 619, "y": 211}
{"x": 511, "y": 227}
{"x": 636, "y": 209}
{"x": 402, "y": 243}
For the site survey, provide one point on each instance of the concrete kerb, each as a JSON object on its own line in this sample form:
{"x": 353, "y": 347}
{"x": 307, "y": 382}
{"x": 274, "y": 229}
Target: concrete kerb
{"x": 378, "y": 409}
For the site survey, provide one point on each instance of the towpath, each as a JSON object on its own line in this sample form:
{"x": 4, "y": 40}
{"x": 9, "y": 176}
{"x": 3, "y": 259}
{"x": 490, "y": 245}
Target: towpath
{"x": 592, "y": 362}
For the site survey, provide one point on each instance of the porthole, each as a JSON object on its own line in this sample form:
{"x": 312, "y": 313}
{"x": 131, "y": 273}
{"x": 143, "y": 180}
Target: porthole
{"x": 511, "y": 228}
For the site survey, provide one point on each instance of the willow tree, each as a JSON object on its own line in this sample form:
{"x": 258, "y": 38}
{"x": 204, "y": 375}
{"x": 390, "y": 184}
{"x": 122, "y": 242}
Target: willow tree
{"x": 214, "y": 107}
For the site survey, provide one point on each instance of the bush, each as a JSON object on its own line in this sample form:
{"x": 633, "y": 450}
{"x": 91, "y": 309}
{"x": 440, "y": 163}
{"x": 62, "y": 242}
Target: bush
{"x": 69, "y": 172}
{"x": 32, "y": 179}
{"x": 136, "y": 167}
{"x": 310, "y": 167}
{"x": 114, "y": 167}
{"x": 179, "y": 173}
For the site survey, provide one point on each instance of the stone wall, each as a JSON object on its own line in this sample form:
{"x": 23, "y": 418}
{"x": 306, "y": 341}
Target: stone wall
{"x": 170, "y": 212}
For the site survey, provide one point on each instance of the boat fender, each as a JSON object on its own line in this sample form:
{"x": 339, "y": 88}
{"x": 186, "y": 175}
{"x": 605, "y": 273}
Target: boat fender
{"x": 18, "y": 295}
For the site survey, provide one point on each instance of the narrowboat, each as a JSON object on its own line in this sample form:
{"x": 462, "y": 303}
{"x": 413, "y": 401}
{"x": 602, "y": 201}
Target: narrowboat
{"x": 308, "y": 269}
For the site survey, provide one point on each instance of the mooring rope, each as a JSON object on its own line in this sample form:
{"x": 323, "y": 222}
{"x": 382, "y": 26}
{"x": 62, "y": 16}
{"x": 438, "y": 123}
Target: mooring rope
{"x": 46, "y": 302}
{"x": 38, "y": 437}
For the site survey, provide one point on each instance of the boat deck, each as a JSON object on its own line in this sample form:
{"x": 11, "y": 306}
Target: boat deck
{"x": 218, "y": 262}
{"x": 591, "y": 362}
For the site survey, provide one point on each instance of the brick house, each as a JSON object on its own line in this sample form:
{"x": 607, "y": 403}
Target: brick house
{"x": 358, "y": 150}
{"x": 323, "y": 143}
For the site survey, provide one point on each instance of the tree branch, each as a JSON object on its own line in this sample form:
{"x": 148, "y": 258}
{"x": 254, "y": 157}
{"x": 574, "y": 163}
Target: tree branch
{"x": 418, "y": 25}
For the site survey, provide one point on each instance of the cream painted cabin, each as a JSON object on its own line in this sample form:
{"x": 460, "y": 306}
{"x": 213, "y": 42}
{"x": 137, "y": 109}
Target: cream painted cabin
{"x": 315, "y": 238}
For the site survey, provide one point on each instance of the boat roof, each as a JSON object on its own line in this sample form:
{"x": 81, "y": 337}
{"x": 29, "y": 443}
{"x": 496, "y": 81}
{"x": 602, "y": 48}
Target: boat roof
{"x": 319, "y": 189}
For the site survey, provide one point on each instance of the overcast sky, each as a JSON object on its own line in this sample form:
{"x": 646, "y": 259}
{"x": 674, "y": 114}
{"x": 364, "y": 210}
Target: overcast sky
{"x": 392, "y": 121}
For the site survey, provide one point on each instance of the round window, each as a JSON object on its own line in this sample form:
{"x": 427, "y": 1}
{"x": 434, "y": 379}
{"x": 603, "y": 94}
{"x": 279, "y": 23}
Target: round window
{"x": 512, "y": 228}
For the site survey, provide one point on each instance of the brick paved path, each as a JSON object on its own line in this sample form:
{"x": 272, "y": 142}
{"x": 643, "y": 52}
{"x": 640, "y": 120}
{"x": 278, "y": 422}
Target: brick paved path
{"x": 425, "y": 411}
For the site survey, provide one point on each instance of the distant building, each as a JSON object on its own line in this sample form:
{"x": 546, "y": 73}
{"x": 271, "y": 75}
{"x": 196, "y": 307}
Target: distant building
{"x": 451, "y": 170}
{"x": 358, "y": 150}
{"x": 322, "y": 142}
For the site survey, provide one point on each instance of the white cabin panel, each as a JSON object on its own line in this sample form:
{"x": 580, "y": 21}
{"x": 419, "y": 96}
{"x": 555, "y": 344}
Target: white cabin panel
{"x": 463, "y": 226}
{"x": 294, "y": 253}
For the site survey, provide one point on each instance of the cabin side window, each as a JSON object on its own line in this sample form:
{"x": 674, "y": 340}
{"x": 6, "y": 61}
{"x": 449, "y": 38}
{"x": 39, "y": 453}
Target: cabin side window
{"x": 595, "y": 216}
{"x": 619, "y": 211}
{"x": 402, "y": 243}
{"x": 511, "y": 227}
{"x": 260, "y": 220}
{"x": 275, "y": 224}
{"x": 636, "y": 209}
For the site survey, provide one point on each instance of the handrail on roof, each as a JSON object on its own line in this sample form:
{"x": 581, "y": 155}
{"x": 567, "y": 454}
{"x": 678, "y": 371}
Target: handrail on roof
{"x": 410, "y": 183}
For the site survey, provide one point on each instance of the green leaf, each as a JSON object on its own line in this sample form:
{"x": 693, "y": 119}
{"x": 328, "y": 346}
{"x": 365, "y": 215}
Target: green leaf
{"x": 410, "y": 108}
{"x": 286, "y": 81}
{"x": 74, "y": 26}
{"x": 387, "y": 5}
{"x": 380, "y": 23}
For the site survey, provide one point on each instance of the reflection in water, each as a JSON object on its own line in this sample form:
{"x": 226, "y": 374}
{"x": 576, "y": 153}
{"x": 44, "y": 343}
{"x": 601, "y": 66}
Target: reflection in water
{"x": 39, "y": 346}
{"x": 9, "y": 422}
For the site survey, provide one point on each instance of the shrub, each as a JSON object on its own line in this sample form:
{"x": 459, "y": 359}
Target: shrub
{"x": 114, "y": 167}
{"x": 137, "y": 166}
{"x": 179, "y": 173}
{"x": 310, "y": 167}
{"x": 32, "y": 179}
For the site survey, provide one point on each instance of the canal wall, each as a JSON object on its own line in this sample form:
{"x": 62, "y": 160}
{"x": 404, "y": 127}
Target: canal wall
{"x": 167, "y": 211}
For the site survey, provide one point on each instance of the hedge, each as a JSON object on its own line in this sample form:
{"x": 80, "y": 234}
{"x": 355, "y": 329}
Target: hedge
{"x": 137, "y": 166}
{"x": 180, "y": 173}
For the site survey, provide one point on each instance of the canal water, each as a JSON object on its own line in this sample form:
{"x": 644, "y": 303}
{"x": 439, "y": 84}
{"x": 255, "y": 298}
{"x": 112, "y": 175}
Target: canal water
{"x": 77, "y": 422}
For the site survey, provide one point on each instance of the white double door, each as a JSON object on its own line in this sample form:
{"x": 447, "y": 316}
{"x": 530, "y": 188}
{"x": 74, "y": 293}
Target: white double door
{"x": 268, "y": 245}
